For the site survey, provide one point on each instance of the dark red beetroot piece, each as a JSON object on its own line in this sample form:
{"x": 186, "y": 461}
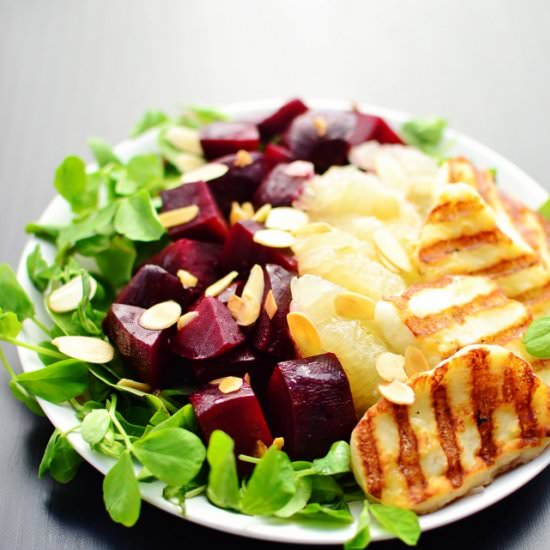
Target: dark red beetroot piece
{"x": 153, "y": 284}
{"x": 277, "y": 122}
{"x": 309, "y": 404}
{"x": 233, "y": 288}
{"x": 271, "y": 335}
{"x": 209, "y": 224}
{"x": 212, "y": 333}
{"x": 246, "y": 171}
{"x": 284, "y": 184}
{"x": 237, "y": 413}
{"x": 224, "y": 138}
{"x": 275, "y": 154}
{"x": 240, "y": 252}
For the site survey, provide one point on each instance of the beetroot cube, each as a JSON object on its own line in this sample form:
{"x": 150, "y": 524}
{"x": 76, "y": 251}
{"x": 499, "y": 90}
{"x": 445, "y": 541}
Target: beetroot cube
{"x": 284, "y": 184}
{"x": 278, "y": 122}
{"x": 237, "y": 413}
{"x": 212, "y": 333}
{"x": 271, "y": 335}
{"x": 275, "y": 154}
{"x": 233, "y": 288}
{"x": 209, "y": 224}
{"x": 309, "y": 404}
{"x": 240, "y": 252}
{"x": 224, "y": 138}
{"x": 150, "y": 285}
{"x": 371, "y": 127}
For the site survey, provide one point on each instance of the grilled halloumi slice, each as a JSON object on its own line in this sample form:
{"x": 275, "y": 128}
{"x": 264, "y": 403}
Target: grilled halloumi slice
{"x": 479, "y": 413}
{"x": 540, "y": 366}
{"x": 445, "y": 315}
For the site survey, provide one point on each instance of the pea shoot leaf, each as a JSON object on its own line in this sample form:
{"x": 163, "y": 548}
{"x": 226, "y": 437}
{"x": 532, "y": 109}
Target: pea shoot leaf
{"x": 73, "y": 184}
{"x": 337, "y": 460}
{"x": 12, "y": 296}
{"x": 537, "y": 338}
{"x": 151, "y": 119}
{"x": 361, "y": 539}
{"x": 95, "y": 426}
{"x": 223, "y": 482}
{"x": 103, "y": 152}
{"x": 137, "y": 219}
{"x": 398, "y": 521}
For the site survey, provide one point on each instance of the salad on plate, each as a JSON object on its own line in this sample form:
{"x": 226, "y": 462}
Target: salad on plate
{"x": 309, "y": 316}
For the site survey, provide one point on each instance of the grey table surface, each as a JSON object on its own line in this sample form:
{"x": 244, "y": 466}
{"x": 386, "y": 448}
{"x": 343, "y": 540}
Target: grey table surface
{"x": 74, "y": 69}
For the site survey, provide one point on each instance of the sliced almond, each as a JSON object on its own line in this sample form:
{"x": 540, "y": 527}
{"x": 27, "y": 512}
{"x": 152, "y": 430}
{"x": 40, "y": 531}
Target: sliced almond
{"x": 260, "y": 449}
{"x": 253, "y": 289}
{"x": 270, "y": 305}
{"x": 187, "y": 280}
{"x": 279, "y": 443}
{"x": 262, "y": 213}
{"x": 391, "y": 249}
{"x": 391, "y": 366}
{"x": 186, "y": 162}
{"x": 242, "y": 158}
{"x": 68, "y": 297}
{"x": 300, "y": 169}
{"x": 179, "y": 216}
{"x": 238, "y": 213}
{"x": 273, "y": 238}
{"x": 221, "y": 284}
{"x": 186, "y": 318}
{"x": 245, "y": 309}
{"x": 207, "y": 172}
{"x": 397, "y": 392}
{"x": 415, "y": 361}
{"x": 388, "y": 265}
{"x": 184, "y": 139}
{"x": 134, "y": 384}
{"x": 248, "y": 208}
{"x": 305, "y": 335}
{"x": 354, "y": 306}
{"x": 85, "y": 348}
{"x": 286, "y": 219}
{"x": 230, "y": 384}
{"x": 314, "y": 228}
{"x": 161, "y": 316}
{"x": 320, "y": 125}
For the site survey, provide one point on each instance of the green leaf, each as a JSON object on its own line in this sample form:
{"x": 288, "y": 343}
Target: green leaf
{"x": 21, "y": 394}
{"x": 174, "y": 455}
{"x": 38, "y": 270}
{"x": 425, "y": 133}
{"x": 72, "y": 183}
{"x": 117, "y": 261}
{"x": 223, "y": 482}
{"x": 325, "y": 489}
{"x": 299, "y": 499}
{"x": 544, "y": 209}
{"x": 145, "y": 169}
{"x": 95, "y": 426}
{"x": 137, "y": 219}
{"x": 337, "y": 460}
{"x": 59, "y": 459}
{"x": 398, "y": 521}
{"x": 47, "y": 232}
{"x": 183, "y": 418}
{"x": 10, "y": 326}
{"x": 121, "y": 492}
{"x": 58, "y": 382}
{"x": 12, "y": 296}
{"x": 361, "y": 539}
{"x": 195, "y": 117}
{"x": 271, "y": 485}
{"x": 151, "y": 119}
{"x": 323, "y": 514}
{"x": 103, "y": 152}
{"x": 47, "y": 457}
{"x": 537, "y": 338}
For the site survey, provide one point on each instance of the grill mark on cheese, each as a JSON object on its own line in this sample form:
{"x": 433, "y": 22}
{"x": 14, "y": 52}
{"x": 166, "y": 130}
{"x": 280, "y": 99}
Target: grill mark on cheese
{"x": 535, "y": 296}
{"x": 366, "y": 444}
{"x": 462, "y": 170}
{"x": 509, "y": 333}
{"x": 402, "y": 300}
{"x": 409, "y": 459}
{"x": 484, "y": 398}
{"x": 508, "y": 266}
{"x": 448, "y": 211}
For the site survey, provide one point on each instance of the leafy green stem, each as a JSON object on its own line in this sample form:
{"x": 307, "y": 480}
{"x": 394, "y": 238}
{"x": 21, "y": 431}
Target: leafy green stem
{"x": 40, "y": 325}
{"x": 249, "y": 459}
{"x": 6, "y": 363}
{"x": 37, "y": 349}
{"x": 196, "y": 491}
{"x": 117, "y": 424}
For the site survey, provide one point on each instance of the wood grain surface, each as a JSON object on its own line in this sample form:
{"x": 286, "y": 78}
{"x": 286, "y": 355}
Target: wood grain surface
{"x": 71, "y": 69}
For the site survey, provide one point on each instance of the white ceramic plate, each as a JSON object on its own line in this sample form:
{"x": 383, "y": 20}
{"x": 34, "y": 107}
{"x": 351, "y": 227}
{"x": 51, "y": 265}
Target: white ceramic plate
{"x": 511, "y": 179}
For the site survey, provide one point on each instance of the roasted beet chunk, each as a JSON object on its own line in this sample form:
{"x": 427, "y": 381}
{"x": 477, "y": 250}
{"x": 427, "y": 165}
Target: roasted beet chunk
{"x": 224, "y": 138}
{"x": 153, "y": 284}
{"x": 271, "y": 330}
{"x": 237, "y": 413}
{"x": 145, "y": 351}
{"x": 209, "y": 223}
{"x": 240, "y": 252}
{"x": 371, "y": 127}
{"x": 277, "y": 122}
{"x": 211, "y": 333}
{"x": 284, "y": 184}
{"x": 275, "y": 154}
{"x": 309, "y": 404}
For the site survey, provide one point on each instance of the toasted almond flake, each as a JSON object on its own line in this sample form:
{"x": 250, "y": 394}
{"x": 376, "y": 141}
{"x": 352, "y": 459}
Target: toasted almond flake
{"x": 305, "y": 335}
{"x": 134, "y": 384}
{"x": 320, "y": 125}
{"x": 391, "y": 249}
{"x": 300, "y": 169}
{"x": 186, "y": 162}
{"x": 363, "y": 155}
{"x": 221, "y": 284}
{"x": 246, "y": 378}
{"x": 230, "y": 384}
{"x": 279, "y": 442}
{"x": 397, "y": 392}
{"x": 270, "y": 305}
{"x": 286, "y": 219}
{"x": 390, "y": 366}
{"x": 184, "y": 139}
{"x": 246, "y": 308}
{"x": 253, "y": 289}
{"x": 160, "y": 316}
{"x": 68, "y": 297}
{"x": 187, "y": 280}
{"x": 314, "y": 228}
{"x": 354, "y": 306}
{"x": 273, "y": 238}
{"x": 238, "y": 214}
{"x": 387, "y": 264}
{"x": 262, "y": 213}
{"x": 260, "y": 449}
{"x": 216, "y": 381}
{"x": 207, "y": 172}
{"x": 186, "y": 318}
{"x": 85, "y": 348}
{"x": 243, "y": 158}
{"x": 248, "y": 208}
{"x": 415, "y": 361}
{"x": 179, "y": 216}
